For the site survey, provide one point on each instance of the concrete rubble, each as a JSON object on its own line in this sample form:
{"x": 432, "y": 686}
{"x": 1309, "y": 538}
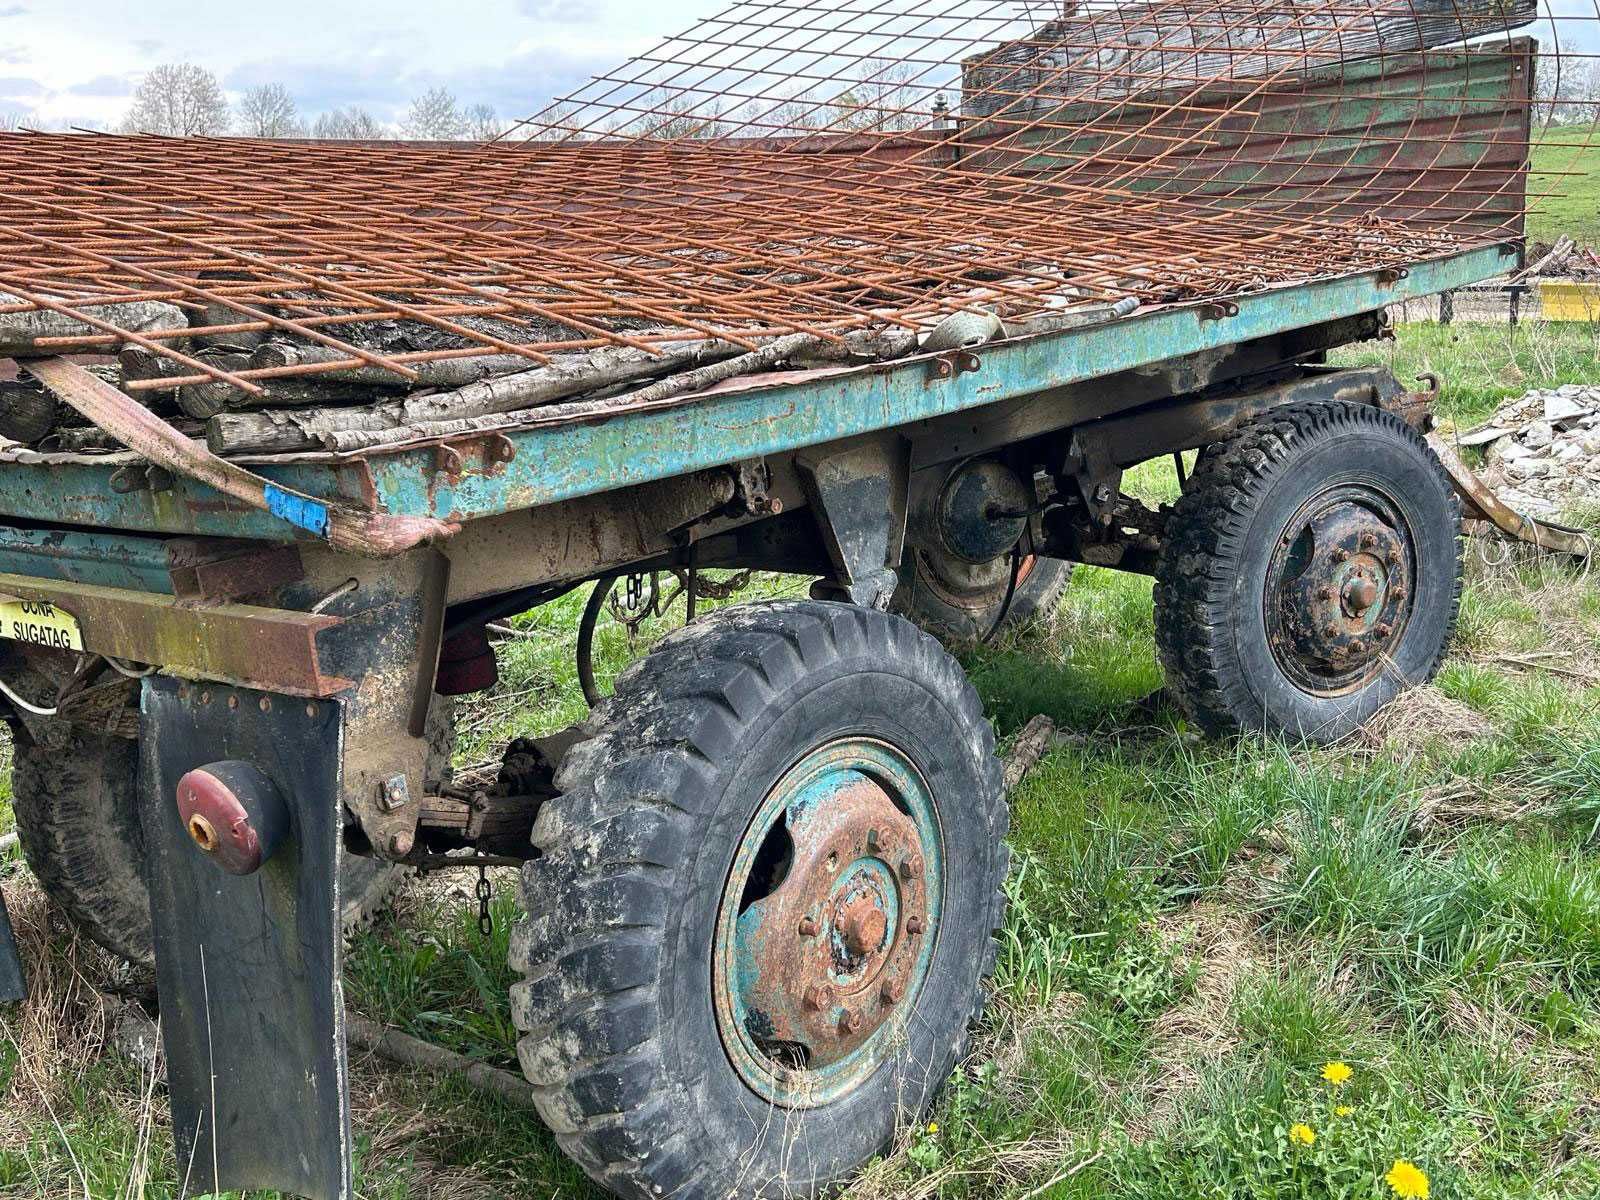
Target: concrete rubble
{"x": 1542, "y": 450}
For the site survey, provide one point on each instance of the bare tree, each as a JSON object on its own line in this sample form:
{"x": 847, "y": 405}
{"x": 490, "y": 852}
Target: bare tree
{"x": 10, "y": 122}
{"x": 1567, "y": 87}
{"x": 482, "y": 123}
{"x": 178, "y": 100}
{"x": 885, "y": 99}
{"x": 435, "y": 116}
{"x": 349, "y": 125}
{"x": 268, "y": 111}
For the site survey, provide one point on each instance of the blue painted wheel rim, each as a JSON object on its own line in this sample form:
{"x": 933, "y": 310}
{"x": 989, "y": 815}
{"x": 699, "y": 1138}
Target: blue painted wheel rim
{"x": 828, "y": 923}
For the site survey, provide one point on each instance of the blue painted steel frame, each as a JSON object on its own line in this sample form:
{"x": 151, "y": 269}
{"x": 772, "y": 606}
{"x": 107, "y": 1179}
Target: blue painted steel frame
{"x": 560, "y": 462}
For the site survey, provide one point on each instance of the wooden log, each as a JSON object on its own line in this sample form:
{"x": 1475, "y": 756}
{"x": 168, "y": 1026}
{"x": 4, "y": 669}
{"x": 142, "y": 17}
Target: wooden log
{"x": 440, "y": 373}
{"x": 285, "y": 432}
{"x": 27, "y": 414}
{"x": 663, "y": 390}
{"x": 20, "y": 332}
{"x": 203, "y": 400}
{"x": 408, "y": 1051}
{"x": 1037, "y": 736}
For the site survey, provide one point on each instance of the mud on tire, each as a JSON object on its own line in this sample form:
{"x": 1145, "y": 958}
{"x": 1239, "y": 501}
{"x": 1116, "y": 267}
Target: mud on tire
{"x": 622, "y": 1038}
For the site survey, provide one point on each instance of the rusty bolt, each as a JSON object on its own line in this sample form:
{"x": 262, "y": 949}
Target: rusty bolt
{"x": 819, "y": 996}
{"x": 1358, "y": 647}
{"x": 1369, "y": 540}
{"x": 1398, "y": 592}
{"x": 311, "y": 710}
{"x": 911, "y": 866}
{"x": 233, "y": 702}
{"x": 1393, "y": 557}
{"x": 873, "y": 839}
{"x": 850, "y": 1022}
{"x": 400, "y": 844}
{"x": 266, "y": 704}
{"x": 1340, "y": 555}
{"x": 1330, "y": 630}
{"x": 1325, "y": 592}
{"x": 893, "y": 989}
{"x": 809, "y": 927}
{"x": 1383, "y": 631}
{"x": 914, "y": 926}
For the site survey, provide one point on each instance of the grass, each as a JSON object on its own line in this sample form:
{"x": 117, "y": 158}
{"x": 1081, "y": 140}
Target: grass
{"x": 1195, "y": 929}
{"x": 1564, "y": 185}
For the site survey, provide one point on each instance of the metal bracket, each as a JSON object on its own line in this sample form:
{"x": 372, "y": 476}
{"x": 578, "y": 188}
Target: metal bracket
{"x": 248, "y": 966}
{"x": 1217, "y": 310}
{"x": 13, "y": 982}
{"x": 952, "y": 363}
{"x": 861, "y": 496}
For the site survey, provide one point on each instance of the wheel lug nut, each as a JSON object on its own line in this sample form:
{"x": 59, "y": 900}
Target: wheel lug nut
{"x": 1368, "y": 540}
{"x": 1398, "y": 592}
{"x": 1330, "y": 630}
{"x": 893, "y": 989}
{"x": 914, "y": 926}
{"x": 911, "y": 867}
{"x": 1383, "y": 631}
{"x": 1358, "y": 647}
{"x": 1393, "y": 557}
{"x": 1325, "y": 592}
{"x": 809, "y": 927}
{"x": 873, "y": 840}
{"x": 819, "y": 996}
{"x": 850, "y": 1022}
{"x": 1340, "y": 555}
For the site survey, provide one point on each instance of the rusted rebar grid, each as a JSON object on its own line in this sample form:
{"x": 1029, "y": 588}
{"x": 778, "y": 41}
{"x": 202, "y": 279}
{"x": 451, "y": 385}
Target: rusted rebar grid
{"x": 823, "y": 168}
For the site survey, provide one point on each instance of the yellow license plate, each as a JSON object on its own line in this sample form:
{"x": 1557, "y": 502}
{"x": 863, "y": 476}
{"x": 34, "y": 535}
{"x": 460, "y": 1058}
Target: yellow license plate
{"x": 39, "y": 623}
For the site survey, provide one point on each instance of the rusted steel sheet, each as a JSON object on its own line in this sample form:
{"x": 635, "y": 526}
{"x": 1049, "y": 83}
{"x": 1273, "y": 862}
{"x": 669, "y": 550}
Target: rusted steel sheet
{"x": 372, "y": 535}
{"x": 1481, "y": 502}
{"x": 256, "y": 647}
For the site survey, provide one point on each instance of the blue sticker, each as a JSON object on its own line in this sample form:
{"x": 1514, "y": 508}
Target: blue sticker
{"x": 306, "y": 514}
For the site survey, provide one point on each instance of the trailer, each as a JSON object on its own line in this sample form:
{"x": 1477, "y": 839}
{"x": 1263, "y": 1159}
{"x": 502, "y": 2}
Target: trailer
{"x": 762, "y": 882}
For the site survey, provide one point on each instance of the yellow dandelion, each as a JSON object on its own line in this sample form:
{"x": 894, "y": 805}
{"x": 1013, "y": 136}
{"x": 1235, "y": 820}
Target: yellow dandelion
{"x": 1336, "y": 1073}
{"x": 1408, "y": 1180}
{"x": 1302, "y": 1134}
{"x": 933, "y": 1127}
{"x": 1344, "y": 1110}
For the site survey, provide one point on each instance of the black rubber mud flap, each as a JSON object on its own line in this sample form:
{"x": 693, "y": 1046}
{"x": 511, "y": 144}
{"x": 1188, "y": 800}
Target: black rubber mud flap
{"x": 13, "y": 984}
{"x": 252, "y": 1011}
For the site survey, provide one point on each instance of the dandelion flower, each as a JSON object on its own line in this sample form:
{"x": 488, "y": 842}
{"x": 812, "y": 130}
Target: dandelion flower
{"x": 933, "y": 1127}
{"x": 1408, "y": 1180}
{"x": 1336, "y": 1073}
{"x": 1302, "y": 1134}
{"x": 1344, "y": 1110}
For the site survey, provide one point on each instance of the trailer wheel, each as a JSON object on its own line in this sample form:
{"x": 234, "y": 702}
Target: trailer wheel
{"x": 76, "y": 800}
{"x": 765, "y": 905}
{"x": 1311, "y": 572}
{"x": 958, "y": 601}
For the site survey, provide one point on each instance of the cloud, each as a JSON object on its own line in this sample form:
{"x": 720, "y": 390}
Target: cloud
{"x": 103, "y": 85}
{"x": 13, "y": 10}
{"x": 15, "y": 88}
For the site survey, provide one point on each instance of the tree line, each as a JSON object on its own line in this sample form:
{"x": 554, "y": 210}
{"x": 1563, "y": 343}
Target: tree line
{"x": 183, "y": 100}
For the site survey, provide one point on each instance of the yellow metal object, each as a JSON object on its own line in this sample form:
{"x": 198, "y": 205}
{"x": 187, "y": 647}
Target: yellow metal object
{"x": 39, "y": 622}
{"x": 1569, "y": 301}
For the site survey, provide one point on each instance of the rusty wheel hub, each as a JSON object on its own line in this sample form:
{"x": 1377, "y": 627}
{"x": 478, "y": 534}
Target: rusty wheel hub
{"x": 1339, "y": 589}
{"x": 827, "y": 923}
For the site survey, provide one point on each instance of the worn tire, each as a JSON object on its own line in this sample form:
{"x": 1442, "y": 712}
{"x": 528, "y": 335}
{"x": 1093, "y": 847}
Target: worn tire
{"x": 76, "y": 802}
{"x": 958, "y": 602}
{"x": 621, "y": 1038}
{"x": 1212, "y": 578}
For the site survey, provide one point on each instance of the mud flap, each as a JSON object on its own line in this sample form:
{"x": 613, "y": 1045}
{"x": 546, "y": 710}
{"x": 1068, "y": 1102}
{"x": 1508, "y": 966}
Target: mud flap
{"x": 13, "y": 984}
{"x": 252, "y": 1011}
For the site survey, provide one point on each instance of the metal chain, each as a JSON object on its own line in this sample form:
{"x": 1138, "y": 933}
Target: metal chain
{"x": 485, "y": 894}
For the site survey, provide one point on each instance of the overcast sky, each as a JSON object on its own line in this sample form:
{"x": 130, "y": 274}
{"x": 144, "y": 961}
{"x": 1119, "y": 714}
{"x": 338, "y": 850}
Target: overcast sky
{"x": 79, "y": 60}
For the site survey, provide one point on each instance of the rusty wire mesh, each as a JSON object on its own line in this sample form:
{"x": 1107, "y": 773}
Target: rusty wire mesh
{"x": 825, "y": 166}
